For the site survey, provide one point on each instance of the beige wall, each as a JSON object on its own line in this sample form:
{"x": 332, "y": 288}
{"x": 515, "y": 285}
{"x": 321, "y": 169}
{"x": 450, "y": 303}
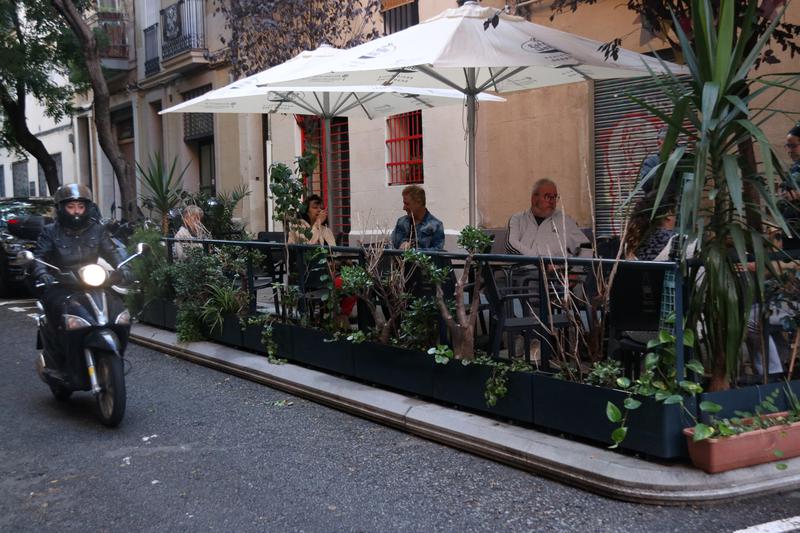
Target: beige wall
{"x": 376, "y": 206}
{"x": 535, "y": 134}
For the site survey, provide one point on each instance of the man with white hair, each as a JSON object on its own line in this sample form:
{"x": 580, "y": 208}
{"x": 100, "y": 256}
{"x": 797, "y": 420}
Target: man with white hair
{"x": 543, "y": 230}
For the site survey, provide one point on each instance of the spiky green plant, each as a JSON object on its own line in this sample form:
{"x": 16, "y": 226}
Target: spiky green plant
{"x": 162, "y": 186}
{"x": 723, "y": 198}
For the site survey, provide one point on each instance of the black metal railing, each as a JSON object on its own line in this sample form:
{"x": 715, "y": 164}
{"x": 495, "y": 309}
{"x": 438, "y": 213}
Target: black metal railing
{"x": 182, "y": 28}
{"x": 152, "y": 60}
{"x": 506, "y": 266}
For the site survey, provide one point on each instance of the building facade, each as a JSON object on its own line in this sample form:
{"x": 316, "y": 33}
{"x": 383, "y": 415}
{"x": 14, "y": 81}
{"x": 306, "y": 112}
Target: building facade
{"x": 585, "y": 136}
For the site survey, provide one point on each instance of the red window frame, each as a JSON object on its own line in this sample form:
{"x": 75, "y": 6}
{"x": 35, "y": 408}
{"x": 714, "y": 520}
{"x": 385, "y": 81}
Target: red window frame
{"x": 404, "y": 154}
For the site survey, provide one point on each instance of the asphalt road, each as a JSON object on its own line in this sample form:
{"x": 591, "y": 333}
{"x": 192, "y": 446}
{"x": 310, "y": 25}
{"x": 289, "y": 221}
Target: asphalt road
{"x": 203, "y": 451}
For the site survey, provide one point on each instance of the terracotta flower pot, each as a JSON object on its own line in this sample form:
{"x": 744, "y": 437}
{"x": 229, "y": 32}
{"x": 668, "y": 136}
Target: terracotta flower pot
{"x": 746, "y": 449}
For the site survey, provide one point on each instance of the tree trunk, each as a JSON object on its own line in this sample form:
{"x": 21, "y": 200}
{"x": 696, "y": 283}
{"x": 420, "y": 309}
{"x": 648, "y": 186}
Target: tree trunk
{"x": 463, "y": 341}
{"x": 102, "y": 110}
{"x": 719, "y": 371}
{"x": 14, "y": 110}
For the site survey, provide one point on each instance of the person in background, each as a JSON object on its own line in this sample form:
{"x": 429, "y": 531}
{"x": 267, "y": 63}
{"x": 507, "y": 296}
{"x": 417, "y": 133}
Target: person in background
{"x": 192, "y": 228}
{"x": 651, "y": 161}
{"x": 543, "y": 230}
{"x": 649, "y": 238}
{"x": 418, "y": 228}
{"x": 790, "y": 191}
{"x": 314, "y": 220}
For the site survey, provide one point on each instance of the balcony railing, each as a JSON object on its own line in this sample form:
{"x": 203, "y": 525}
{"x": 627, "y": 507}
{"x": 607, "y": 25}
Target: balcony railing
{"x": 152, "y": 61}
{"x": 182, "y": 28}
{"x": 114, "y": 45}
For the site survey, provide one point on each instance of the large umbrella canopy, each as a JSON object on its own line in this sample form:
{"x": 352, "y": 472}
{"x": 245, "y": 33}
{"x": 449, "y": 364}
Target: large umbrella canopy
{"x": 326, "y": 102}
{"x": 474, "y": 49}
{"x": 256, "y": 94}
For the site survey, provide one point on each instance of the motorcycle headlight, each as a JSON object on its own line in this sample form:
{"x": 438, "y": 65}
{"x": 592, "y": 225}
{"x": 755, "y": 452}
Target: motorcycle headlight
{"x": 124, "y": 318}
{"x": 75, "y": 322}
{"x": 93, "y": 275}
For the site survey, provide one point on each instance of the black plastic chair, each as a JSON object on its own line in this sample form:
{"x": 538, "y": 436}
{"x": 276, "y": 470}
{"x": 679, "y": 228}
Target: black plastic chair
{"x": 634, "y": 306}
{"x": 501, "y": 318}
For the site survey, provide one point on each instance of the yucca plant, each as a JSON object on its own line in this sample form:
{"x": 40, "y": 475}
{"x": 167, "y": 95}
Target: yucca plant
{"x": 724, "y": 198}
{"x": 162, "y": 186}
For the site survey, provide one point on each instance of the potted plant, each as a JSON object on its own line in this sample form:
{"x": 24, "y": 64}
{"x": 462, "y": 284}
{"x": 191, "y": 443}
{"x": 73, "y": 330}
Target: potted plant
{"x": 163, "y": 187}
{"x": 724, "y": 196}
{"x": 749, "y": 439}
{"x": 153, "y": 301}
{"x": 221, "y": 311}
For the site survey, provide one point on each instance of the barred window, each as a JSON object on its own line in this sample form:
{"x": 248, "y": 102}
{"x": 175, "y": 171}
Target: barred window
{"x": 399, "y": 15}
{"x": 404, "y": 148}
{"x": 197, "y": 126}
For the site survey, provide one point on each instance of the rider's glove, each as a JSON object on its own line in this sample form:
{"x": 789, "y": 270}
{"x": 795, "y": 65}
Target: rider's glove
{"x": 127, "y": 275}
{"x": 47, "y": 280}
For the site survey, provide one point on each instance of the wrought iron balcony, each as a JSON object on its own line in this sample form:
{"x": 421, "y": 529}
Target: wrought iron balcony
{"x": 152, "y": 61}
{"x": 182, "y": 28}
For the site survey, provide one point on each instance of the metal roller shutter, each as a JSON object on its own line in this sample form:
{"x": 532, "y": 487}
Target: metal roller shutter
{"x": 624, "y": 134}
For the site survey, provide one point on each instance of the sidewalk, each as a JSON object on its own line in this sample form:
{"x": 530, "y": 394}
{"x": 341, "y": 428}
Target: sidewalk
{"x": 592, "y": 468}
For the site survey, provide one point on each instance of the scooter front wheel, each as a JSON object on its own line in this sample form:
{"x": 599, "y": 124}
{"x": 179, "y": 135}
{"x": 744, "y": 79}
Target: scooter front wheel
{"x": 111, "y": 378}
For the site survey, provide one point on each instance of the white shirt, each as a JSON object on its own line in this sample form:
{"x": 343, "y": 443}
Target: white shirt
{"x": 557, "y": 235}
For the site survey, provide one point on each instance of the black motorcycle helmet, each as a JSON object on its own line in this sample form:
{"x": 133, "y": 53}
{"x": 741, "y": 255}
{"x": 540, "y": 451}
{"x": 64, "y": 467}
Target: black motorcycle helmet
{"x": 73, "y": 192}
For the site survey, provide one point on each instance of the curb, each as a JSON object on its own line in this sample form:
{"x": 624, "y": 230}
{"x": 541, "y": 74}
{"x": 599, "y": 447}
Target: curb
{"x": 588, "y": 467}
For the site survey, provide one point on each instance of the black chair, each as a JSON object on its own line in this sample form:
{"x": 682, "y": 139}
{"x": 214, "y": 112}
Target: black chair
{"x": 501, "y": 317}
{"x": 271, "y": 271}
{"x": 635, "y": 305}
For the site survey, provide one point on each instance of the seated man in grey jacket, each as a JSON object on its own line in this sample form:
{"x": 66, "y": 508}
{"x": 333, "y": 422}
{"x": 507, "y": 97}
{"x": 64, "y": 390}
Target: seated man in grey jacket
{"x": 543, "y": 230}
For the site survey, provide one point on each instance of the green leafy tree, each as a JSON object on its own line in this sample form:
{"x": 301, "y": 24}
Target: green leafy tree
{"x": 37, "y": 57}
{"x": 269, "y": 32}
{"x": 75, "y": 14}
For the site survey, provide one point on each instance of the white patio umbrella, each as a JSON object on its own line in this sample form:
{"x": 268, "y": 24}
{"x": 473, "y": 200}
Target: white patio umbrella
{"x": 254, "y": 95}
{"x": 462, "y": 49}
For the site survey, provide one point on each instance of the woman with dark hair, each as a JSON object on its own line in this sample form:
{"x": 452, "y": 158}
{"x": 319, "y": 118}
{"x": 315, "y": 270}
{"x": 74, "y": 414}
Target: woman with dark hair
{"x": 648, "y": 237}
{"x": 314, "y": 220}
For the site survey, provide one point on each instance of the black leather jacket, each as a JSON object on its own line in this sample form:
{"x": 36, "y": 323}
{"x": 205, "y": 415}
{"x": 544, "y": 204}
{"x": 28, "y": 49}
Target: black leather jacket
{"x": 70, "y": 249}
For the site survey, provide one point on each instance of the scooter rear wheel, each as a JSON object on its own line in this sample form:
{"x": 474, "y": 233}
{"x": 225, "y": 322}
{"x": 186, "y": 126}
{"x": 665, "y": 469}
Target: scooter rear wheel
{"x": 111, "y": 398}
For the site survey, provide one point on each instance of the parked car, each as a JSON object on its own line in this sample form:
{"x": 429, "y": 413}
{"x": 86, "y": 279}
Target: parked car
{"x": 21, "y": 221}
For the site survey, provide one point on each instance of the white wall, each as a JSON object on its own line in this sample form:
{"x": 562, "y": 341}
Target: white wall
{"x": 57, "y": 138}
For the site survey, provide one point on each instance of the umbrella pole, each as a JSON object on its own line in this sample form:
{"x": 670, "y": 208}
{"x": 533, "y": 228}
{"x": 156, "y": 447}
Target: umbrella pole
{"x": 326, "y": 140}
{"x": 473, "y": 204}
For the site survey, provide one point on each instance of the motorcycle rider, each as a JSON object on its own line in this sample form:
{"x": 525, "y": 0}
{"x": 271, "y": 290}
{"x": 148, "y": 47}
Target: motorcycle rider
{"x": 74, "y": 240}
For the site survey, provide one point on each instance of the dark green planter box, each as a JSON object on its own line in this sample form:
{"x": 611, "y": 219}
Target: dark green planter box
{"x": 654, "y": 429}
{"x": 746, "y": 398}
{"x": 170, "y": 314}
{"x": 251, "y": 338}
{"x": 464, "y": 385}
{"x": 153, "y": 313}
{"x": 281, "y": 334}
{"x": 398, "y": 368}
{"x": 231, "y": 332}
{"x": 309, "y": 347}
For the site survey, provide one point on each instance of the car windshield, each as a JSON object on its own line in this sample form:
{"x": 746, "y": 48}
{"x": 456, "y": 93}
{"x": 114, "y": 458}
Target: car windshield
{"x": 17, "y": 208}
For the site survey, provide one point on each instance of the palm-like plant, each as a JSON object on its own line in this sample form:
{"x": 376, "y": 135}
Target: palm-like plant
{"x": 723, "y": 198}
{"x": 163, "y": 187}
